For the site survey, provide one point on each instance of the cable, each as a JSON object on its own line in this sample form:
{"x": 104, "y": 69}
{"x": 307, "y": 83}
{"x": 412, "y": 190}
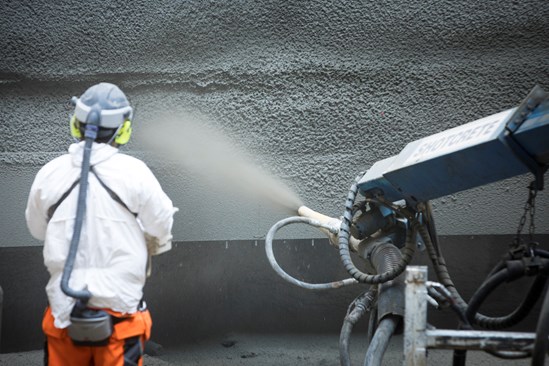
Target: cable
{"x": 282, "y": 273}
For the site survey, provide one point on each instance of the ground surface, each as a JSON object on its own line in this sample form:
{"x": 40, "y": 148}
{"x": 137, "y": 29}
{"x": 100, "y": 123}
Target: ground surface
{"x": 271, "y": 350}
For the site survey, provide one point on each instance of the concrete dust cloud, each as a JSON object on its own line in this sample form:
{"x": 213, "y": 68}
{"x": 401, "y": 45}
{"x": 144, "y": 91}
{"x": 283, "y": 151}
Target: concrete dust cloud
{"x": 192, "y": 142}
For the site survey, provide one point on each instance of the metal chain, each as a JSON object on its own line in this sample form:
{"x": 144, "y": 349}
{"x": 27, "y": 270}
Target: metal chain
{"x": 529, "y": 210}
{"x": 532, "y": 199}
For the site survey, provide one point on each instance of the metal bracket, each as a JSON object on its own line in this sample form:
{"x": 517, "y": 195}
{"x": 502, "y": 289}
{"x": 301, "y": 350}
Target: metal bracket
{"x": 417, "y": 338}
{"x": 532, "y": 100}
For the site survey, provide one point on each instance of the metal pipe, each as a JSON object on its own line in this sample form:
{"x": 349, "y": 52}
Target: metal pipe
{"x": 479, "y": 340}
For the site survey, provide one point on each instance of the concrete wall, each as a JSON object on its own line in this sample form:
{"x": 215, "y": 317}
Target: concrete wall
{"x": 314, "y": 91}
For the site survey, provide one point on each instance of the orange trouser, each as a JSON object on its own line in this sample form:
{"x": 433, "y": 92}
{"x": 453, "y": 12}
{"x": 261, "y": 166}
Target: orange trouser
{"x": 125, "y": 346}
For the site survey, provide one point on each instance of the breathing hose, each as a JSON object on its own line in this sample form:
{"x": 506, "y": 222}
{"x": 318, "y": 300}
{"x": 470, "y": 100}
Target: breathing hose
{"x": 282, "y": 273}
{"x": 345, "y": 254}
{"x": 90, "y": 136}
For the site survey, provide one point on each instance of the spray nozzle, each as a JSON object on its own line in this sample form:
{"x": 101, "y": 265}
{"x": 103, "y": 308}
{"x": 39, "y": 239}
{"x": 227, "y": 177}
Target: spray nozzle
{"x": 330, "y": 226}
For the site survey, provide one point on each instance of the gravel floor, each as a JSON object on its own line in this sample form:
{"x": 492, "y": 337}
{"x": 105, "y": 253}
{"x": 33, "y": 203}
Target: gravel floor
{"x": 271, "y": 350}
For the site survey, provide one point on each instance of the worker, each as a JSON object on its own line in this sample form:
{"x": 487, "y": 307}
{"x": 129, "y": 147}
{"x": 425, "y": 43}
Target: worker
{"x": 96, "y": 314}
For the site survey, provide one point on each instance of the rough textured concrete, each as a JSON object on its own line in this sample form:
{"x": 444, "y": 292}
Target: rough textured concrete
{"x": 316, "y": 92}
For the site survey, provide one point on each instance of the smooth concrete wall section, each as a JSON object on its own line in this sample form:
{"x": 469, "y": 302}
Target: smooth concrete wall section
{"x": 211, "y": 289}
{"x": 315, "y": 92}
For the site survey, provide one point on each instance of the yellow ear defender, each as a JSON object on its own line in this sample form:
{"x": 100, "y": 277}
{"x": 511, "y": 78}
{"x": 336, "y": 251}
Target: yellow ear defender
{"x": 122, "y": 137}
{"x": 124, "y": 133}
{"x": 75, "y": 132}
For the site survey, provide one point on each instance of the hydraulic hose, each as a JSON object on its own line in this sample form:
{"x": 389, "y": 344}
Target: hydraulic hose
{"x": 357, "y": 309}
{"x": 282, "y": 273}
{"x": 83, "y": 295}
{"x": 535, "y": 292}
{"x": 492, "y": 323}
{"x": 380, "y": 342}
{"x": 372, "y": 323}
{"x": 345, "y": 253}
{"x": 483, "y": 291}
{"x": 439, "y": 264}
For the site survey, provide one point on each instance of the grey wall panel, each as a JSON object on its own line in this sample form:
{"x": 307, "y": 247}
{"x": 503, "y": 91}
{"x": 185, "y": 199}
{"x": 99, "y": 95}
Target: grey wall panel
{"x": 209, "y": 289}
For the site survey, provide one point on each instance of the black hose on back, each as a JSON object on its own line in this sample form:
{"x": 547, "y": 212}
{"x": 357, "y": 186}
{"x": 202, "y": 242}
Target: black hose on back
{"x": 90, "y": 136}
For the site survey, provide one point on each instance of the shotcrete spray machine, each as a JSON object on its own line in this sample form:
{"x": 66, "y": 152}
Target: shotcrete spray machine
{"x": 394, "y": 218}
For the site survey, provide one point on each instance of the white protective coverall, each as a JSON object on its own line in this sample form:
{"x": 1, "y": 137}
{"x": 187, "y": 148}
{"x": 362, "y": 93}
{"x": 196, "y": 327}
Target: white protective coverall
{"x": 112, "y": 252}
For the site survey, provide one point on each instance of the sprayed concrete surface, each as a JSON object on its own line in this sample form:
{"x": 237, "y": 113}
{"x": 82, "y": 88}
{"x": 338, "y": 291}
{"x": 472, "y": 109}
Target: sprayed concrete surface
{"x": 313, "y": 92}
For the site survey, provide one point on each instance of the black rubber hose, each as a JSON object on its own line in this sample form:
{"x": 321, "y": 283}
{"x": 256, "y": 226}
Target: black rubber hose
{"x": 495, "y": 323}
{"x": 492, "y": 323}
{"x": 345, "y": 253}
{"x": 359, "y": 306}
{"x": 542, "y": 253}
{"x": 542, "y": 333}
{"x": 83, "y": 295}
{"x": 380, "y": 342}
{"x": 483, "y": 291}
